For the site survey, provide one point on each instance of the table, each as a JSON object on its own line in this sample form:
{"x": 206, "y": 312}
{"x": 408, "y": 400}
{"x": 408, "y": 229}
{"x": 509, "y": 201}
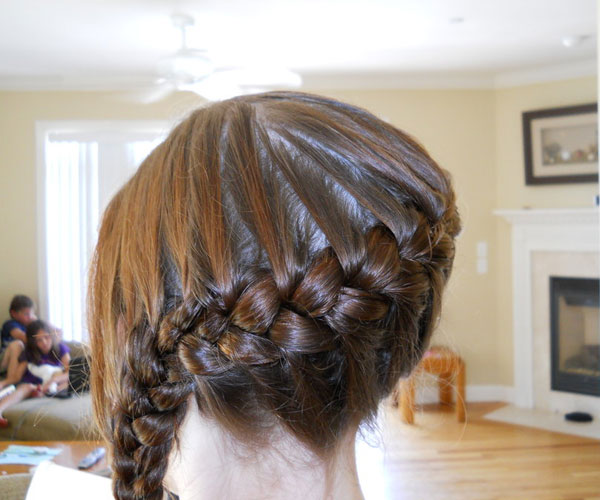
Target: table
{"x": 72, "y": 452}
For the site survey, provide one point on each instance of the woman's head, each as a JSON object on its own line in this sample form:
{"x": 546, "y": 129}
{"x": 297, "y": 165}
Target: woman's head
{"x": 280, "y": 257}
{"x": 41, "y": 339}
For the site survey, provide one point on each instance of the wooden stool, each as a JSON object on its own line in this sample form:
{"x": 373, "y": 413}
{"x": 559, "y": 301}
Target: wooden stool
{"x": 450, "y": 370}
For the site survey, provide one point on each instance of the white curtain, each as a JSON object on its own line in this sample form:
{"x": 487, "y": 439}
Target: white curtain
{"x": 71, "y": 199}
{"x": 80, "y": 179}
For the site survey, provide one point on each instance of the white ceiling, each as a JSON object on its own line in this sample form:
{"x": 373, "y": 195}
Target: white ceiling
{"x": 91, "y": 44}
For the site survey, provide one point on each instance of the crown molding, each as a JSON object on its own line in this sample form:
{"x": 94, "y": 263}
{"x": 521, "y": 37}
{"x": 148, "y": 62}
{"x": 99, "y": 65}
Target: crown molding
{"x": 71, "y": 83}
{"x": 550, "y": 73}
{"x": 385, "y": 81}
{"x": 331, "y": 81}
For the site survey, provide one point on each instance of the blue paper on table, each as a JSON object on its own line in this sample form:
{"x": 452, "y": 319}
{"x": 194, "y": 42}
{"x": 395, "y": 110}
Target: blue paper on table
{"x": 27, "y": 455}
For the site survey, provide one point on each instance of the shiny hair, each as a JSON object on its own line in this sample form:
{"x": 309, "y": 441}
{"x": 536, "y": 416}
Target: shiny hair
{"x": 281, "y": 257}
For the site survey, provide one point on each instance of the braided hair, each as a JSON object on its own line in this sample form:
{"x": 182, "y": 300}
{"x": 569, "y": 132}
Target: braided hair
{"x": 280, "y": 258}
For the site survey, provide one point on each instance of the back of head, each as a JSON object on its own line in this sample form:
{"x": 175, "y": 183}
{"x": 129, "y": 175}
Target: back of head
{"x": 281, "y": 257}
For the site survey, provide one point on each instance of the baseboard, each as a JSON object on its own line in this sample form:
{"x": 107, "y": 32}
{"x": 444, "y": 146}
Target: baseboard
{"x": 475, "y": 393}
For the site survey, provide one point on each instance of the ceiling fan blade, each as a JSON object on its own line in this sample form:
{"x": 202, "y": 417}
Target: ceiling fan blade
{"x": 226, "y": 83}
{"x": 262, "y": 76}
{"x": 154, "y": 94}
{"x": 215, "y": 87}
{"x": 194, "y": 70}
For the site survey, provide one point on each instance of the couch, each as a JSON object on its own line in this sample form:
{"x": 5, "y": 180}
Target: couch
{"x": 52, "y": 419}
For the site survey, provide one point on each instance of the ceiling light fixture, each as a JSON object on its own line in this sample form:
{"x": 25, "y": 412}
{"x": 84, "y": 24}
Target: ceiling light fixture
{"x": 571, "y": 41}
{"x": 198, "y": 71}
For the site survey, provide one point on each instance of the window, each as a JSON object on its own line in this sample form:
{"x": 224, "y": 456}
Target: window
{"x": 81, "y": 165}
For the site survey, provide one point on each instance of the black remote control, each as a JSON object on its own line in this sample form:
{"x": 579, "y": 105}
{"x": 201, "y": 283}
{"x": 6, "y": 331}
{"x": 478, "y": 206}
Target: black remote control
{"x": 91, "y": 458}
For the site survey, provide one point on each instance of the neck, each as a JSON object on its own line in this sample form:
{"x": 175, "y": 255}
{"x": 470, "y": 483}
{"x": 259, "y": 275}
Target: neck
{"x": 208, "y": 465}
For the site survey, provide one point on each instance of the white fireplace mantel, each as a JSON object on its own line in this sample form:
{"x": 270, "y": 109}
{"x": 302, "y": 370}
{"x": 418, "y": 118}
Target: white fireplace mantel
{"x": 552, "y": 230}
{"x": 550, "y": 216}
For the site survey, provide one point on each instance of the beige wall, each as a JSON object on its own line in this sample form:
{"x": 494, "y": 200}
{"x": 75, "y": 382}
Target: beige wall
{"x": 511, "y": 191}
{"x": 464, "y": 130}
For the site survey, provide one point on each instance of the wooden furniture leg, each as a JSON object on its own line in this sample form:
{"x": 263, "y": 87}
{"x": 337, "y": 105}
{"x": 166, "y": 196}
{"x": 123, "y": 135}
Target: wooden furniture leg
{"x": 460, "y": 391}
{"x": 407, "y": 399}
{"x": 445, "y": 382}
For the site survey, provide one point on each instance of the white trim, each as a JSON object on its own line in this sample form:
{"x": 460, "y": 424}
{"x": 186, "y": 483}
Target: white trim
{"x": 551, "y": 73}
{"x": 551, "y": 216}
{"x": 336, "y": 81}
{"x": 553, "y": 230}
{"x": 475, "y": 393}
{"x": 101, "y": 126}
{"x": 40, "y": 140}
{"x": 339, "y": 81}
{"x": 484, "y": 393}
{"x": 76, "y": 83}
{"x": 391, "y": 81}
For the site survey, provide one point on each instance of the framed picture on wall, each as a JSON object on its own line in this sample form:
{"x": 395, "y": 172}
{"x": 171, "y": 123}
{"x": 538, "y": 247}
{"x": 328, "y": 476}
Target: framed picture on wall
{"x": 561, "y": 145}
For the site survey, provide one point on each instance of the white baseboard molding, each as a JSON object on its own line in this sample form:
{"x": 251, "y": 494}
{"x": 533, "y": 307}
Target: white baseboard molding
{"x": 475, "y": 393}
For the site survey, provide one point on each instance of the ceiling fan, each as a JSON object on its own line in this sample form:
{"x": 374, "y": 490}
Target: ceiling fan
{"x": 195, "y": 70}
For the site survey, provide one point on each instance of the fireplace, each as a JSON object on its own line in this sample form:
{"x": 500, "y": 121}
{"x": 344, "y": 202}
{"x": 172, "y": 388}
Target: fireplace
{"x": 548, "y": 243}
{"x": 575, "y": 343}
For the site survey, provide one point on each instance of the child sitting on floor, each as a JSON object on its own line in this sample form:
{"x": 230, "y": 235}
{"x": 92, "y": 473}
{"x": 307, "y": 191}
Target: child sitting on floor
{"x": 43, "y": 366}
{"x": 22, "y": 312}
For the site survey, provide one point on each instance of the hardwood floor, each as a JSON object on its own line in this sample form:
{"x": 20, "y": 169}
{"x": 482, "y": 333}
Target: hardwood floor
{"x": 439, "y": 458}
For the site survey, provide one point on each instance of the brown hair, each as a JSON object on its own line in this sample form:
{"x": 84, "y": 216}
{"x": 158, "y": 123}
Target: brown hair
{"x": 280, "y": 256}
{"x": 31, "y": 347}
{"x": 20, "y": 302}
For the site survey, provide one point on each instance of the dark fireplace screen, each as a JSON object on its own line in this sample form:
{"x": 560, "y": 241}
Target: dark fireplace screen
{"x": 575, "y": 335}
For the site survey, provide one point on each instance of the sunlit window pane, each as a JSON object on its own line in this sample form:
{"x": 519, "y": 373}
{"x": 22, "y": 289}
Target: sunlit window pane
{"x": 78, "y": 186}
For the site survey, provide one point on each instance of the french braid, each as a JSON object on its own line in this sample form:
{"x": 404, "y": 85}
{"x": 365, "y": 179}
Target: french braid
{"x": 303, "y": 290}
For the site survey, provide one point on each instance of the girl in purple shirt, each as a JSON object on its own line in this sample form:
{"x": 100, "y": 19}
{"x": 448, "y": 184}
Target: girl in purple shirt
{"x": 43, "y": 365}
